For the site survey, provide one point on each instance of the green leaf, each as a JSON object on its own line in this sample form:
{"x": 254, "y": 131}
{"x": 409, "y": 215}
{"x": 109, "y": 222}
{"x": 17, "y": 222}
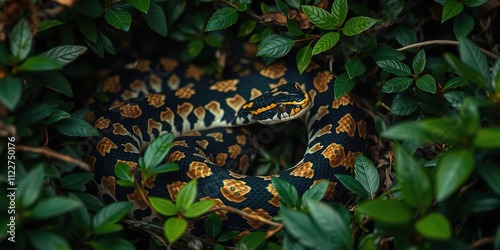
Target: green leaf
{"x": 42, "y": 239}
{"x": 366, "y": 173}
{"x": 488, "y": 138}
{"x": 222, "y": 18}
{"x": 142, "y": 5}
{"x": 39, "y": 63}
{"x": 157, "y": 150}
{"x": 394, "y": 67}
{"x": 452, "y": 170}
{"x": 54, "y": 206}
{"x": 75, "y": 127}
{"x": 11, "y": 89}
{"x": 247, "y": 27}
{"x": 282, "y": 7}
{"x": 316, "y": 192}
{"x": 213, "y": 225}
{"x": 396, "y": 84}
{"x": 434, "y": 226}
{"x": 419, "y": 61}
{"x": 155, "y": 18}
{"x": 119, "y": 19}
{"x": 357, "y": 25}
{"x": 319, "y": 17}
{"x": 386, "y": 211}
{"x": 113, "y": 242}
{"x": 331, "y": 222}
{"x": 469, "y": 117}
{"x": 466, "y": 71}
{"x": 339, "y": 11}
{"x": 65, "y": 54}
{"x": 198, "y": 208}
{"x": 301, "y": 227}
{"x": 186, "y": 196}
{"x": 475, "y": 3}
{"x": 354, "y": 67}
{"x": 352, "y": 184}
{"x": 21, "y": 40}
{"x": 405, "y": 36}
{"x": 122, "y": 171}
{"x": 92, "y": 8}
{"x": 293, "y": 27}
{"x": 456, "y": 82}
{"x": 403, "y": 105}
{"x": 76, "y": 181}
{"x": 384, "y": 52}
{"x": 304, "y": 58}
{"x": 47, "y": 24}
{"x": 52, "y": 80}
{"x": 252, "y": 241}
{"x": 275, "y": 46}
{"x": 34, "y": 113}
{"x": 163, "y": 168}
{"x": 227, "y": 235}
{"x": 451, "y": 8}
{"x": 463, "y": 25}
{"x": 427, "y": 83}
{"x": 343, "y": 84}
{"x": 174, "y": 228}
{"x": 105, "y": 219}
{"x": 435, "y": 129}
{"x": 415, "y": 184}
{"x": 88, "y": 28}
{"x": 30, "y": 186}
{"x": 472, "y": 56}
{"x": 163, "y": 206}
{"x": 288, "y": 194}
{"x": 195, "y": 47}
{"x": 326, "y": 42}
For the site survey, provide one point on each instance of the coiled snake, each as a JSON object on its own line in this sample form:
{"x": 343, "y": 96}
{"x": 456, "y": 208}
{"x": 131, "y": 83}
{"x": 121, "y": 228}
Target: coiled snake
{"x": 207, "y": 118}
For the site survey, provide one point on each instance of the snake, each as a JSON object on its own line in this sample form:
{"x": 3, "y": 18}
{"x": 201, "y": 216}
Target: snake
{"x": 210, "y": 118}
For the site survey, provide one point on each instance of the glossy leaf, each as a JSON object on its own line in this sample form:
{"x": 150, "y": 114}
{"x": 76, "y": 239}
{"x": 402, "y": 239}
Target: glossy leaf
{"x": 75, "y": 127}
{"x": 39, "y": 63}
{"x": 198, "y": 208}
{"x": 275, "y": 46}
{"x": 64, "y": 54}
{"x": 252, "y": 241}
{"x": 119, "y": 19}
{"x": 155, "y": 18}
{"x": 105, "y": 219}
{"x": 352, "y": 184}
{"x": 343, "y": 84}
{"x": 434, "y": 226}
{"x": 451, "y": 8}
{"x": 11, "y": 88}
{"x": 157, "y": 150}
{"x": 331, "y": 222}
{"x": 452, "y": 170}
{"x": 30, "y": 186}
{"x": 213, "y": 225}
{"x": 463, "y": 25}
{"x": 456, "y": 82}
{"x": 472, "y": 56}
{"x": 222, "y": 18}
{"x": 21, "y": 40}
{"x": 91, "y": 8}
{"x": 339, "y": 11}
{"x": 48, "y": 240}
{"x": 415, "y": 184}
{"x": 488, "y": 138}
{"x": 357, "y": 25}
{"x": 288, "y": 194}
{"x": 174, "y": 228}
{"x": 76, "y": 181}
{"x": 469, "y": 117}
{"x": 354, "y": 67}
{"x": 122, "y": 171}
{"x": 186, "y": 196}
{"x": 386, "y": 211}
{"x": 316, "y": 192}
{"x": 195, "y": 47}
{"x": 326, "y": 42}
{"x": 247, "y": 27}
{"x": 403, "y": 105}
{"x": 419, "y": 62}
{"x": 52, "y": 80}
{"x": 366, "y": 173}
{"x": 293, "y": 27}
{"x": 304, "y": 58}
{"x": 427, "y": 83}
{"x": 396, "y": 84}
{"x": 54, "y": 206}
{"x": 436, "y": 129}
{"x": 394, "y": 67}
{"x": 319, "y": 17}
{"x": 142, "y": 5}
{"x": 163, "y": 206}
{"x": 475, "y": 3}
{"x": 301, "y": 227}
{"x": 163, "y": 168}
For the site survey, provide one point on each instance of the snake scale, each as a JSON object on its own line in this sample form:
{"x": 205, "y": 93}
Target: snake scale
{"x": 212, "y": 145}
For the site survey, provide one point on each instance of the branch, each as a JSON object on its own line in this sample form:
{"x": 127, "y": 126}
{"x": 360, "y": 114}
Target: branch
{"x": 445, "y": 42}
{"x": 51, "y": 153}
{"x": 251, "y": 216}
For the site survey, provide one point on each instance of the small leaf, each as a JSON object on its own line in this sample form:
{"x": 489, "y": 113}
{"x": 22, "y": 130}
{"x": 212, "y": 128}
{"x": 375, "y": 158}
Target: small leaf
{"x": 46, "y": 240}
{"x": 331, "y": 222}
{"x": 366, "y": 173}
{"x": 386, "y": 211}
{"x": 304, "y": 58}
{"x": 293, "y": 27}
{"x": 435, "y": 129}
{"x": 247, "y": 27}
{"x": 352, "y": 184}
{"x": 316, "y": 192}
{"x": 75, "y": 127}
{"x": 92, "y": 8}
{"x": 157, "y": 150}
{"x": 186, "y": 196}
{"x": 119, "y": 19}
{"x": 275, "y": 46}
{"x": 47, "y": 24}
{"x": 451, "y": 8}
{"x": 222, "y": 18}
{"x": 288, "y": 194}
{"x": 39, "y": 63}
{"x": 76, "y": 181}
{"x": 405, "y": 36}
{"x": 163, "y": 206}
{"x": 21, "y": 40}
{"x": 142, "y": 5}
{"x": 155, "y": 18}
{"x": 403, "y": 105}
{"x": 252, "y": 241}
{"x": 343, "y": 84}
{"x": 11, "y": 89}
{"x": 213, "y": 225}
{"x": 396, "y": 84}
{"x": 30, "y": 186}
{"x": 163, "y": 168}
{"x": 475, "y": 3}
{"x": 122, "y": 171}
{"x": 419, "y": 61}
{"x": 488, "y": 138}
{"x": 463, "y": 25}
{"x": 195, "y": 47}
{"x": 394, "y": 67}
{"x": 319, "y": 17}
{"x": 466, "y": 71}
{"x": 339, "y": 11}
{"x": 65, "y": 54}
{"x": 54, "y": 206}
{"x": 456, "y": 82}
{"x": 452, "y": 170}
{"x": 354, "y": 67}
{"x": 472, "y": 56}
{"x": 303, "y": 229}
{"x": 198, "y": 208}
{"x": 52, "y": 80}
{"x": 174, "y": 228}
{"x": 434, "y": 226}
{"x": 427, "y": 83}
{"x": 105, "y": 219}
{"x": 357, "y": 25}
{"x": 326, "y": 42}
{"x": 469, "y": 117}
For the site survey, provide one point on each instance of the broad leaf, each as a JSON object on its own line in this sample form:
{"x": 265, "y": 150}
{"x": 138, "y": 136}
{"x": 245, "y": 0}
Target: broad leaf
{"x": 275, "y": 46}
{"x": 222, "y": 18}
{"x": 357, "y": 25}
{"x": 452, "y": 170}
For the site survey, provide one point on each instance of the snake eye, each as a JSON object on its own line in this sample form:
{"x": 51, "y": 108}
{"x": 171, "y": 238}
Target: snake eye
{"x": 281, "y": 107}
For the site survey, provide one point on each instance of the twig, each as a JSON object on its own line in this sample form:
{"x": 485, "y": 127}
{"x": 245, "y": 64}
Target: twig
{"x": 272, "y": 232}
{"x": 251, "y": 216}
{"x": 51, "y": 153}
{"x": 481, "y": 242}
{"x": 445, "y": 42}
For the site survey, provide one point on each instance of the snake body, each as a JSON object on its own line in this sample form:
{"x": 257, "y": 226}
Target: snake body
{"x": 212, "y": 145}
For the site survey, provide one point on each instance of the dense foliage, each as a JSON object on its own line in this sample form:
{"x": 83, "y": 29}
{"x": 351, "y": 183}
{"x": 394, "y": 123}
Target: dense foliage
{"x": 428, "y": 72}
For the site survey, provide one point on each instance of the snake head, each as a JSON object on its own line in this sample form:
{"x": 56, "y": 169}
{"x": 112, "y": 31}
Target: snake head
{"x": 280, "y": 104}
